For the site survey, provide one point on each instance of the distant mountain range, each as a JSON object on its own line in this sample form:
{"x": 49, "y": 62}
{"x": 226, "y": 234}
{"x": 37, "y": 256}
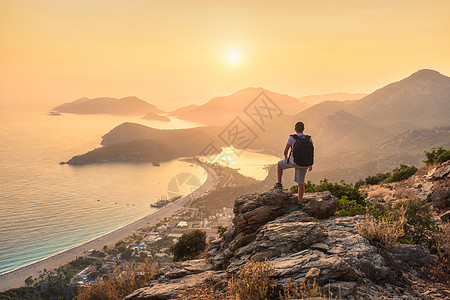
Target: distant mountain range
{"x": 353, "y": 139}
{"x": 104, "y": 105}
{"x": 316, "y": 99}
{"x": 182, "y": 110}
{"x": 222, "y": 110}
{"x": 421, "y": 99}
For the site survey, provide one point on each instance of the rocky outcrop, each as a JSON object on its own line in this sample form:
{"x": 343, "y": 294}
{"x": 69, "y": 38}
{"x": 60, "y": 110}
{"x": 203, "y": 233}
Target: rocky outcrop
{"x": 253, "y": 225}
{"x": 320, "y": 205}
{"x": 409, "y": 257}
{"x": 435, "y": 186}
{"x": 174, "y": 280}
{"x": 302, "y": 244}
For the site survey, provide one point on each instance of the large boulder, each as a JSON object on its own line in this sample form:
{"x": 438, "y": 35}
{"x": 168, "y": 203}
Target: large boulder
{"x": 254, "y": 211}
{"x": 440, "y": 196}
{"x": 162, "y": 289}
{"x": 435, "y": 187}
{"x": 441, "y": 172}
{"x": 290, "y": 233}
{"x": 173, "y": 280}
{"x": 411, "y": 256}
{"x": 320, "y": 205}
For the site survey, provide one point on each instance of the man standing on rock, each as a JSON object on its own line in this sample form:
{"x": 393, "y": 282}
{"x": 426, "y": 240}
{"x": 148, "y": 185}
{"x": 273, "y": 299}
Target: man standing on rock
{"x": 301, "y": 158}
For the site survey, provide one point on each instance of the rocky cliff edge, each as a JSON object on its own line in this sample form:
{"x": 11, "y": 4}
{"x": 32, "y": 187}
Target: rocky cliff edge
{"x": 301, "y": 244}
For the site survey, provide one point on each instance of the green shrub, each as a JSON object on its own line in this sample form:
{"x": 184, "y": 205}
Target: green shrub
{"x": 97, "y": 253}
{"x": 379, "y": 210}
{"x": 189, "y": 246}
{"x": 21, "y": 293}
{"x": 377, "y": 178}
{"x": 443, "y": 157}
{"x": 221, "y": 230}
{"x": 126, "y": 254}
{"x": 436, "y": 156}
{"x": 349, "y": 208}
{"x": 337, "y": 189}
{"x": 401, "y": 173}
{"x": 420, "y": 225}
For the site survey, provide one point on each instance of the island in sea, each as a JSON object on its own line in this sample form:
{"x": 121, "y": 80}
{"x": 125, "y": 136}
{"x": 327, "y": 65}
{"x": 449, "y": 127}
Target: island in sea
{"x": 106, "y": 105}
{"x": 155, "y": 117}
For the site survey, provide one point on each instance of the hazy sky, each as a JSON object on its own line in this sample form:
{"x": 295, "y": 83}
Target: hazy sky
{"x": 54, "y": 51}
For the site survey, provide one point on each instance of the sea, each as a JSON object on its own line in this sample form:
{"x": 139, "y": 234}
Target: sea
{"x": 46, "y": 207}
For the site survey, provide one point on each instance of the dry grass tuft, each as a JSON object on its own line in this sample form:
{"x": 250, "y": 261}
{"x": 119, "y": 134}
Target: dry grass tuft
{"x": 129, "y": 280}
{"x": 303, "y": 290}
{"x": 253, "y": 282}
{"x": 385, "y": 231}
{"x": 440, "y": 270}
{"x": 410, "y": 181}
{"x": 404, "y": 193}
{"x": 381, "y": 192}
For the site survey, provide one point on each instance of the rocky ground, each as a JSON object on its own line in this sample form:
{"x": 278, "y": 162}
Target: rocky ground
{"x": 429, "y": 183}
{"x": 310, "y": 243}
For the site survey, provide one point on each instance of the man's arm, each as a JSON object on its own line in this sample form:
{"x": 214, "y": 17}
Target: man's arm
{"x": 286, "y": 150}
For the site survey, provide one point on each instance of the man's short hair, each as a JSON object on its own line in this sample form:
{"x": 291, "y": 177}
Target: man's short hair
{"x": 299, "y": 126}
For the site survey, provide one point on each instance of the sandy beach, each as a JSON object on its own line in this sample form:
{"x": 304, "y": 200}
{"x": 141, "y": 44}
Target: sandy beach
{"x": 16, "y": 278}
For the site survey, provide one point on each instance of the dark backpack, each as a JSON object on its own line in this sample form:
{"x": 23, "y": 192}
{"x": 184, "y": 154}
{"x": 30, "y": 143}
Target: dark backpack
{"x": 303, "y": 151}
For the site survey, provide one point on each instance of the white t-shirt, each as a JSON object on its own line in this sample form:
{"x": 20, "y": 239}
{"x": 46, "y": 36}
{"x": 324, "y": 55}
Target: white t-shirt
{"x": 291, "y": 141}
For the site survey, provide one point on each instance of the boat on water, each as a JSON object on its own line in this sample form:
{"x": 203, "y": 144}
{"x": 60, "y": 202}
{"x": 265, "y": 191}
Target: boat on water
{"x": 159, "y": 203}
{"x": 163, "y": 202}
{"x": 54, "y": 113}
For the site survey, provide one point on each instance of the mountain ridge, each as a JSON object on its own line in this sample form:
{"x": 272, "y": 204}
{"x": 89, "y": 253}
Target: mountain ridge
{"x": 130, "y": 105}
{"x": 222, "y": 110}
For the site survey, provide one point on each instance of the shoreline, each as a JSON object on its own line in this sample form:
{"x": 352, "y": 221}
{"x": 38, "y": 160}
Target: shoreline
{"x": 16, "y": 277}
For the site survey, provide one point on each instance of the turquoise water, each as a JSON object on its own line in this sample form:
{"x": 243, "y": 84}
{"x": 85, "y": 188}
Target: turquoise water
{"x": 46, "y": 207}
{"x": 249, "y": 163}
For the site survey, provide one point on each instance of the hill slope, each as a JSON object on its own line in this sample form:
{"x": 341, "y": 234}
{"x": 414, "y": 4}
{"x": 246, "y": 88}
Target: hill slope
{"x": 421, "y": 100}
{"x": 316, "y": 99}
{"x": 105, "y": 105}
{"x": 222, "y": 110}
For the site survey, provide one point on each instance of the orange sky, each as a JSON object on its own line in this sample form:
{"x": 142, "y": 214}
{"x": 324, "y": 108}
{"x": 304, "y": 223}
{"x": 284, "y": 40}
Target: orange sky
{"x": 54, "y": 51}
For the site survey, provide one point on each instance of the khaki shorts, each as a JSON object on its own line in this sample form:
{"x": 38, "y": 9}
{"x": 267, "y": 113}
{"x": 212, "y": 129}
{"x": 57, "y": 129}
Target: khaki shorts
{"x": 300, "y": 172}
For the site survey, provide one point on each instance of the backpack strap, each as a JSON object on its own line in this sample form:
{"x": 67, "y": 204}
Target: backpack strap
{"x": 296, "y": 138}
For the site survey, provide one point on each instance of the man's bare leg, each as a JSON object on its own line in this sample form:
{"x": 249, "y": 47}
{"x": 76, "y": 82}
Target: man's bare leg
{"x": 279, "y": 173}
{"x": 301, "y": 191}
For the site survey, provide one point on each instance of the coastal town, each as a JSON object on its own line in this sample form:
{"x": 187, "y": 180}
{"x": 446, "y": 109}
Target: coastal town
{"x": 153, "y": 243}
{"x": 147, "y": 241}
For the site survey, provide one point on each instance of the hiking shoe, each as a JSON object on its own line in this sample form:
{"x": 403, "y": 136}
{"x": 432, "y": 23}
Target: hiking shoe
{"x": 278, "y": 186}
{"x": 300, "y": 205}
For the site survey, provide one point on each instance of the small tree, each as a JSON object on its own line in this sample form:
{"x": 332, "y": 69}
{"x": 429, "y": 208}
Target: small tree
{"x": 189, "y": 246}
{"x": 126, "y": 254}
{"x": 29, "y": 281}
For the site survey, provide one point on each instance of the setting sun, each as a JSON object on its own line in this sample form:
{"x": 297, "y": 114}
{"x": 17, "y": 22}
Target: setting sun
{"x": 234, "y": 57}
